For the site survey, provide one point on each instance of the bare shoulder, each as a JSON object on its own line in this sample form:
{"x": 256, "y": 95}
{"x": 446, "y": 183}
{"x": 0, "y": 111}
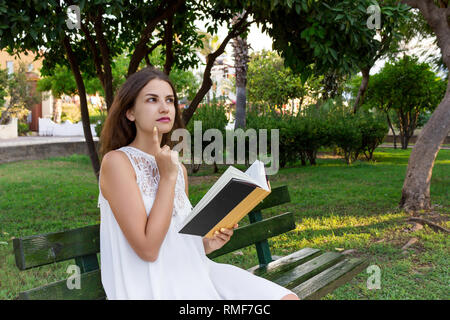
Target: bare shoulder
{"x": 115, "y": 166}
{"x": 115, "y": 159}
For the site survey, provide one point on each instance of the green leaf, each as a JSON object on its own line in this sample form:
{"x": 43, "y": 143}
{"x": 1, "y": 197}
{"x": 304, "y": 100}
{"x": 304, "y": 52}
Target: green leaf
{"x": 333, "y": 53}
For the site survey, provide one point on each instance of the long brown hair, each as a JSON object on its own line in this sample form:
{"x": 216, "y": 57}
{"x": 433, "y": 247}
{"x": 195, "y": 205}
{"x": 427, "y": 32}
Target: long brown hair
{"x": 118, "y": 130}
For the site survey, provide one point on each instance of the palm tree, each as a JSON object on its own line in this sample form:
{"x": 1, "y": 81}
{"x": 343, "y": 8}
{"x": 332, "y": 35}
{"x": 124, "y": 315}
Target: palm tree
{"x": 210, "y": 44}
{"x": 241, "y": 59}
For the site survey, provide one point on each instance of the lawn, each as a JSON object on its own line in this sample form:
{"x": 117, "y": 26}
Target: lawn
{"x": 337, "y": 207}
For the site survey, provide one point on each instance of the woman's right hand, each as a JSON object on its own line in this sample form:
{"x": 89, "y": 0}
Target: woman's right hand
{"x": 166, "y": 159}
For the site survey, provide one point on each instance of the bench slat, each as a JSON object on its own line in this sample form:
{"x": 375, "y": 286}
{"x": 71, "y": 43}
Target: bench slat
{"x": 39, "y": 250}
{"x": 255, "y": 232}
{"x": 277, "y": 267}
{"x": 277, "y": 196}
{"x": 91, "y": 289}
{"x": 303, "y": 272}
{"x": 330, "y": 279}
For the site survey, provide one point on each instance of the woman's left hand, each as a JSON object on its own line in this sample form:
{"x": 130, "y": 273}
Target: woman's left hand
{"x": 219, "y": 239}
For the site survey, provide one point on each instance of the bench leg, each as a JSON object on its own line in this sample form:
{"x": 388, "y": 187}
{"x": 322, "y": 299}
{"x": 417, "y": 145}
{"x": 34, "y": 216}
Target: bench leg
{"x": 87, "y": 263}
{"x": 262, "y": 247}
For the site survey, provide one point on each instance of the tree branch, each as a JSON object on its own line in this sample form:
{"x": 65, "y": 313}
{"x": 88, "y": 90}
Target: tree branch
{"x": 140, "y": 49}
{"x": 438, "y": 20}
{"x": 74, "y": 65}
{"x": 168, "y": 39}
{"x": 150, "y": 50}
{"x": 96, "y": 57}
{"x": 237, "y": 29}
{"x": 104, "y": 50}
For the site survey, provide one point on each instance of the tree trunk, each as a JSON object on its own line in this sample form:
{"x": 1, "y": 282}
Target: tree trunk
{"x": 83, "y": 107}
{"x": 240, "y": 108}
{"x": 241, "y": 59}
{"x": 312, "y": 154}
{"x": 362, "y": 88}
{"x": 416, "y": 187}
{"x": 237, "y": 29}
{"x": 392, "y": 129}
{"x": 303, "y": 158}
{"x": 107, "y": 72}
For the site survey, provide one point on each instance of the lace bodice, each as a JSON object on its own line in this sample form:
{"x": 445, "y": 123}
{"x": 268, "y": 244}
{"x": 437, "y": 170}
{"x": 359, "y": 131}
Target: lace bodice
{"x": 147, "y": 178}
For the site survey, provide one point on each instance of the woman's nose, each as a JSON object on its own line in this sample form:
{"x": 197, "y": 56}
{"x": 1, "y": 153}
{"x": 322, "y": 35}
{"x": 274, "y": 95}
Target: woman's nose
{"x": 164, "y": 107}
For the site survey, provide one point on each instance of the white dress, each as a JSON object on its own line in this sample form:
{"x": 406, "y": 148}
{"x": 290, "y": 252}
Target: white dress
{"x": 182, "y": 269}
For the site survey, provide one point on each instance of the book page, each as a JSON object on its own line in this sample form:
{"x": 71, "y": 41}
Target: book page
{"x": 258, "y": 173}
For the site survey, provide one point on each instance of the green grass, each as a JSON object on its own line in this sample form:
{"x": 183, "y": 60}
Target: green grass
{"x": 336, "y": 207}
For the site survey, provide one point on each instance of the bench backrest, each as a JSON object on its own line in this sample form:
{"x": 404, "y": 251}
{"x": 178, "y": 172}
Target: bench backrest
{"x": 83, "y": 244}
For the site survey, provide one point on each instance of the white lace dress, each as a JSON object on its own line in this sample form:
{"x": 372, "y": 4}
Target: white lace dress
{"x": 182, "y": 269}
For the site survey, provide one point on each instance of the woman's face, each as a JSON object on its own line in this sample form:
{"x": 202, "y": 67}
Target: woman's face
{"x": 154, "y": 106}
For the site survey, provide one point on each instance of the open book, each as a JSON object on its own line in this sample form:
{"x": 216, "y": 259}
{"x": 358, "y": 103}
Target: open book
{"x": 233, "y": 196}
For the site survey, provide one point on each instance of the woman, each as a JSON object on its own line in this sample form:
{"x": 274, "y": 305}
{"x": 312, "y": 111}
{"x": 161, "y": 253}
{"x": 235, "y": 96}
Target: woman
{"x": 143, "y": 199}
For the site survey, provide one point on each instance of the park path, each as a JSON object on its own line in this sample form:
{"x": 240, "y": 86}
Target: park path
{"x": 23, "y": 140}
{"x": 409, "y": 147}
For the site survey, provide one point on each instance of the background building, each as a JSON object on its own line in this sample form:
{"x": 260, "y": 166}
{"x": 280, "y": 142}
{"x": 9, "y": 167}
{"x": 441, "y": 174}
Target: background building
{"x": 44, "y": 108}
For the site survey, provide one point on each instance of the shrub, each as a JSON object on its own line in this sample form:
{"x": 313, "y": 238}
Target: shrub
{"x": 330, "y": 125}
{"x": 373, "y": 128}
{"x": 98, "y": 120}
{"x": 212, "y": 116}
{"x": 22, "y": 128}
{"x": 311, "y": 131}
{"x": 356, "y": 134}
{"x": 71, "y": 112}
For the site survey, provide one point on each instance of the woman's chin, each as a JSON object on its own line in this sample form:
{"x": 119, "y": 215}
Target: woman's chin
{"x": 164, "y": 127}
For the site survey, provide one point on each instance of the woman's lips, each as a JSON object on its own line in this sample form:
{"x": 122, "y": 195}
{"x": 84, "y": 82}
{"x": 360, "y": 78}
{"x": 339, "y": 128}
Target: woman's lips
{"x": 164, "y": 119}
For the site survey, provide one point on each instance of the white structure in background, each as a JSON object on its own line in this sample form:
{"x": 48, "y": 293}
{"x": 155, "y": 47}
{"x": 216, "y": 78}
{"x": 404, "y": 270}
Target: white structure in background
{"x": 49, "y": 128}
{"x": 47, "y": 104}
{"x": 9, "y": 131}
{"x": 221, "y": 74}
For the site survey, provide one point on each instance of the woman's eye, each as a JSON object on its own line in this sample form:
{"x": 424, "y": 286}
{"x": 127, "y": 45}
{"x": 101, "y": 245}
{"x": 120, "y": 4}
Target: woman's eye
{"x": 150, "y": 99}
{"x": 170, "y": 100}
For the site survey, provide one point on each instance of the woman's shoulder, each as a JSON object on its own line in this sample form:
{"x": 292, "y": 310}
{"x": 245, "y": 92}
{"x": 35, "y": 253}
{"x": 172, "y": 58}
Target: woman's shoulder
{"x": 114, "y": 163}
{"x": 115, "y": 158}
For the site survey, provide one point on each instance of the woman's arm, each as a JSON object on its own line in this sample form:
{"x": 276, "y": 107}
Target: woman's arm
{"x": 118, "y": 186}
{"x": 208, "y": 250}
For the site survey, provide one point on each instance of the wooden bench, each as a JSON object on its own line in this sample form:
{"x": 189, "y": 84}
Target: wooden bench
{"x": 309, "y": 272}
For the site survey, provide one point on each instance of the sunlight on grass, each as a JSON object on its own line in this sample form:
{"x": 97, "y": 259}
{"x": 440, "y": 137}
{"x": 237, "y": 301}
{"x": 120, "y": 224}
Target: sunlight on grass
{"x": 336, "y": 207}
